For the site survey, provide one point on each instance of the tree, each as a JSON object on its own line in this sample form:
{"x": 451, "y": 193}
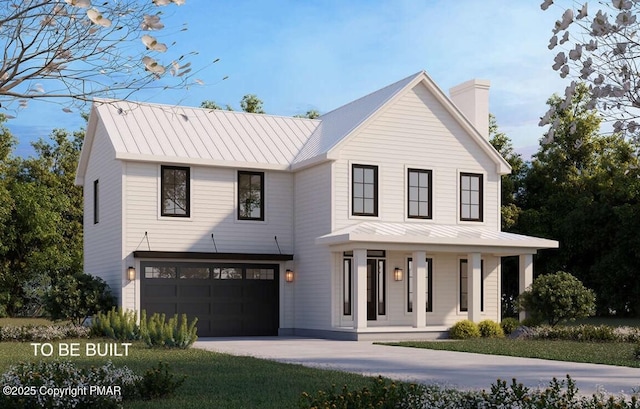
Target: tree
{"x": 73, "y": 50}
{"x": 41, "y": 228}
{"x": 511, "y": 183}
{"x": 209, "y": 104}
{"x": 601, "y": 50}
{"x": 582, "y": 189}
{"x": 558, "y": 297}
{"x": 252, "y": 104}
{"x": 310, "y": 114}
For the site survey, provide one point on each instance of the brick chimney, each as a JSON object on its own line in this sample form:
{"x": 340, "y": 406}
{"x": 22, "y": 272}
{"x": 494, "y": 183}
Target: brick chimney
{"x": 472, "y": 99}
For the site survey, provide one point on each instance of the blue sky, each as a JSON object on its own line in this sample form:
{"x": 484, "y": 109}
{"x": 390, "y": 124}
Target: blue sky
{"x": 299, "y": 55}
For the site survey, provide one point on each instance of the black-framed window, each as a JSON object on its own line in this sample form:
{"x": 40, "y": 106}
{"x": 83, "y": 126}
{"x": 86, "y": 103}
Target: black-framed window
{"x": 381, "y": 281}
{"x": 346, "y": 286}
{"x": 96, "y": 201}
{"x": 419, "y": 194}
{"x": 175, "y": 191}
{"x": 429, "y": 286}
{"x": 471, "y": 206}
{"x": 364, "y": 190}
{"x": 250, "y": 195}
{"x": 464, "y": 285}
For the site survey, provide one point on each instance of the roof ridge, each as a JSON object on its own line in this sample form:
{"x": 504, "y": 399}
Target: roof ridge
{"x": 378, "y": 91}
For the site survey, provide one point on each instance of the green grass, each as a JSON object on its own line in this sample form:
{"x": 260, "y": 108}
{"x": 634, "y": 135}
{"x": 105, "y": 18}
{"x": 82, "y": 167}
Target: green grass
{"x": 213, "y": 380}
{"x": 610, "y": 353}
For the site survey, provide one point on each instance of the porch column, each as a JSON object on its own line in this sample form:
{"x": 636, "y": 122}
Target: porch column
{"x": 419, "y": 289}
{"x": 360, "y": 288}
{"x": 526, "y": 276}
{"x": 474, "y": 274}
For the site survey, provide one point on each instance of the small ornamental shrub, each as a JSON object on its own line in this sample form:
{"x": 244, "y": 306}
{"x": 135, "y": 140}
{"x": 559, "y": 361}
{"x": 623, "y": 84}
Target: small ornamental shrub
{"x": 382, "y": 394}
{"x": 158, "y": 382}
{"x": 636, "y": 352}
{"x": 42, "y": 332}
{"x": 587, "y": 333}
{"x": 35, "y": 383}
{"x": 490, "y": 329}
{"x": 558, "y": 297}
{"x": 464, "y": 329}
{"x": 116, "y": 324}
{"x": 509, "y": 325}
{"x": 174, "y": 333}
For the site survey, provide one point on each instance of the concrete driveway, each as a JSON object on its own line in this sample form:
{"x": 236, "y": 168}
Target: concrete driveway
{"x": 455, "y": 369}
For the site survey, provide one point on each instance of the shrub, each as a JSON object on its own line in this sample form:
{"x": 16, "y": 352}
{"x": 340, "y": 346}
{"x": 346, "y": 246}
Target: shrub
{"x": 559, "y": 394}
{"x": 42, "y": 332}
{"x": 64, "y": 374}
{"x": 158, "y": 382}
{"x": 77, "y": 296}
{"x": 464, "y": 329}
{"x": 382, "y": 394}
{"x": 117, "y": 324}
{"x": 558, "y": 297}
{"x": 174, "y": 333}
{"x": 509, "y": 325}
{"x": 636, "y": 352}
{"x": 490, "y": 329}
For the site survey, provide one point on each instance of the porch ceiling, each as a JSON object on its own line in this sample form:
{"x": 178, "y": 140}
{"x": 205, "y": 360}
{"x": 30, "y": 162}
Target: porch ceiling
{"x": 443, "y": 237}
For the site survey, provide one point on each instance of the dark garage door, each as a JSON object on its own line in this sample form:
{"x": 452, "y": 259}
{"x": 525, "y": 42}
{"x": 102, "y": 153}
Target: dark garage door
{"x": 228, "y": 299}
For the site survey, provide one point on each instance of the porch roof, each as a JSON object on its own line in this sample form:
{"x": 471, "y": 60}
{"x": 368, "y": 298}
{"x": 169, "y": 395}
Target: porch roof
{"x": 447, "y": 237}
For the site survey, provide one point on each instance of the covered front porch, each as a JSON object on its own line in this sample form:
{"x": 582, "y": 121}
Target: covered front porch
{"x": 393, "y": 281}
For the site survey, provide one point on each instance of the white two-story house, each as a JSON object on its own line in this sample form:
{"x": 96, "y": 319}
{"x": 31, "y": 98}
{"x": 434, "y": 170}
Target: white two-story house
{"x": 380, "y": 219}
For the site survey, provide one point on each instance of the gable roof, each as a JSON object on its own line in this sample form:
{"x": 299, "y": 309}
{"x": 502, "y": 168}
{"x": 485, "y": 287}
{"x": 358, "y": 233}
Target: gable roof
{"x": 185, "y": 135}
{"x": 340, "y": 124}
{"x": 156, "y": 132}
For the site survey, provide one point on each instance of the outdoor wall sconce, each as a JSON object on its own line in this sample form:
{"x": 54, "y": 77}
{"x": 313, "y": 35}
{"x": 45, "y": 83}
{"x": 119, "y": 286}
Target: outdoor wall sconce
{"x": 397, "y": 274}
{"x": 131, "y": 273}
{"x": 288, "y": 276}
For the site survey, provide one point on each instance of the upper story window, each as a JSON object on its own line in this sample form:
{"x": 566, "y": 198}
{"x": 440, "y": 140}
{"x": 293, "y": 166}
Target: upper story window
{"x": 175, "y": 193}
{"x": 419, "y": 194}
{"x": 250, "y": 195}
{"x": 364, "y": 190}
{"x": 96, "y": 201}
{"x": 471, "y": 197}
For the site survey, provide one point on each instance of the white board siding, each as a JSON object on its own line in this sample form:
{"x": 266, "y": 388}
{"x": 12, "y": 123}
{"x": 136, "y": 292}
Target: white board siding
{"x": 415, "y": 131}
{"x": 102, "y": 241}
{"x": 313, "y": 296}
{"x": 213, "y": 211}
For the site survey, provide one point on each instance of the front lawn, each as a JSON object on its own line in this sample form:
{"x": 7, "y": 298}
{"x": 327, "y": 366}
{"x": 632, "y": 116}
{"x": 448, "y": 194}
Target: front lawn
{"x": 213, "y": 380}
{"x": 610, "y": 353}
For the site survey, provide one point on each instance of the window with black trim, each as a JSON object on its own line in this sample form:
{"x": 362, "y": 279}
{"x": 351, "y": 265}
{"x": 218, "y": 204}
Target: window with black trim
{"x": 250, "y": 195}
{"x": 364, "y": 190}
{"x": 175, "y": 185}
{"x": 464, "y": 285}
{"x": 96, "y": 201}
{"x": 429, "y": 287}
{"x": 471, "y": 197}
{"x": 419, "y": 194}
{"x": 346, "y": 286}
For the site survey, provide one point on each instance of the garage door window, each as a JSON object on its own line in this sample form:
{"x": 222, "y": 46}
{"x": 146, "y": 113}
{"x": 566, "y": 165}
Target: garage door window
{"x": 227, "y": 273}
{"x": 195, "y": 272}
{"x": 260, "y": 274}
{"x": 159, "y": 272}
